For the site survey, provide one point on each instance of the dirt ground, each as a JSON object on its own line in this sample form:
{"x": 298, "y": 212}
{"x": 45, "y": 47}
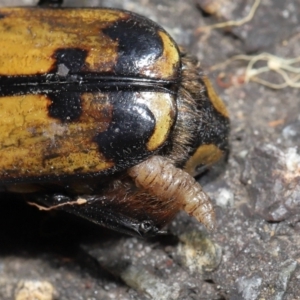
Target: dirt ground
{"x": 255, "y": 251}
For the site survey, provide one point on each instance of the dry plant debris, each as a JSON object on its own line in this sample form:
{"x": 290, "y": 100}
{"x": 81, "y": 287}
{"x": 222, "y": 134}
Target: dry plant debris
{"x": 283, "y": 66}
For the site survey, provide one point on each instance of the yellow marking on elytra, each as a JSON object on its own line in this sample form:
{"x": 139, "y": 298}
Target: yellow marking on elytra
{"x": 167, "y": 64}
{"x": 162, "y": 106}
{"x": 34, "y": 144}
{"x": 30, "y": 37}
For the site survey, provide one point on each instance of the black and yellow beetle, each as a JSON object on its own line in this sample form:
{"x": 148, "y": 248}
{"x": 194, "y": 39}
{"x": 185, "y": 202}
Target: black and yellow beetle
{"x": 102, "y": 115}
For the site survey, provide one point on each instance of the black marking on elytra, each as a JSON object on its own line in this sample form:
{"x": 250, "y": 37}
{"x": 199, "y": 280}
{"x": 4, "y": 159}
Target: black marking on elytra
{"x": 131, "y": 126}
{"x": 138, "y": 44}
{"x": 71, "y": 58}
{"x": 65, "y": 106}
{"x": 50, "y": 3}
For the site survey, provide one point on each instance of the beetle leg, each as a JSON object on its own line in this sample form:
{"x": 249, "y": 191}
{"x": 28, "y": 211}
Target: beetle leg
{"x": 158, "y": 176}
{"x": 93, "y": 208}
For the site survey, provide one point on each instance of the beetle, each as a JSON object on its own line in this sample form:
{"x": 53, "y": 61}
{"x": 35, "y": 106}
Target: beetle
{"x": 104, "y": 116}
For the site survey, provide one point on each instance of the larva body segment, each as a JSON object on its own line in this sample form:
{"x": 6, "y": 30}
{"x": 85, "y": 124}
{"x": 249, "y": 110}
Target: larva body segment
{"x": 159, "y": 177}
